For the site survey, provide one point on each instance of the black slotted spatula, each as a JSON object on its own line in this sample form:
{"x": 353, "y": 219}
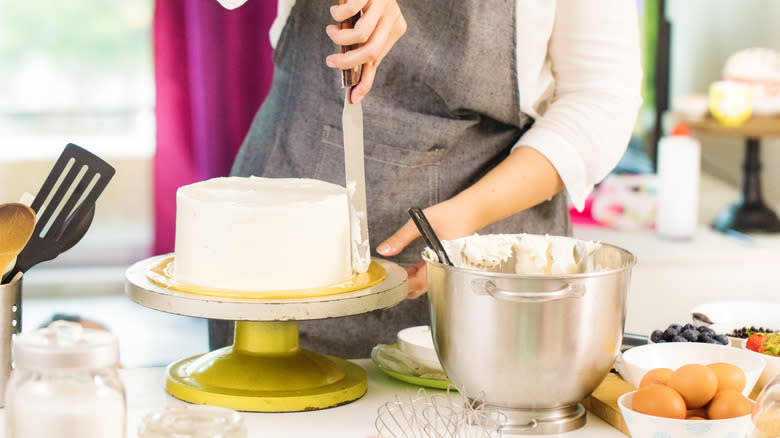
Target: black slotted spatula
{"x": 77, "y": 178}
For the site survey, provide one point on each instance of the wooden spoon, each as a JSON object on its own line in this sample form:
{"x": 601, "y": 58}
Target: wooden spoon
{"x": 17, "y": 222}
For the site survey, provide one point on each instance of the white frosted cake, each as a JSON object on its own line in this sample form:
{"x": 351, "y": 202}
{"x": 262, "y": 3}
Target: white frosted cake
{"x": 262, "y": 234}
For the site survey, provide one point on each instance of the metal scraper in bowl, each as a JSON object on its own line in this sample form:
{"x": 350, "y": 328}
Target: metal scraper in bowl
{"x": 352, "y": 125}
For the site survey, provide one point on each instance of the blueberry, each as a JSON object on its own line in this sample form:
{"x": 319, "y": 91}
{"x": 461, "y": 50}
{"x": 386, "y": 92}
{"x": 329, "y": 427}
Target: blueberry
{"x": 707, "y": 330}
{"x": 670, "y": 333}
{"x": 722, "y": 339}
{"x": 704, "y": 337}
{"x": 661, "y": 341}
{"x": 677, "y": 327}
{"x": 688, "y": 326}
{"x": 656, "y": 336}
{"x": 691, "y": 335}
{"x": 679, "y": 339}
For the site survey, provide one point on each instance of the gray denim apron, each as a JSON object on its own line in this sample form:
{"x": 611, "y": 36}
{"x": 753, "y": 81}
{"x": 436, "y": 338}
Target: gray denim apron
{"x": 444, "y": 109}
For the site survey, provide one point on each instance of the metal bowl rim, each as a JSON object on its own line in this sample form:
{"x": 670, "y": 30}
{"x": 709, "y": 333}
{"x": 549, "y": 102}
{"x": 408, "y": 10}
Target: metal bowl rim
{"x": 632, "y": 260}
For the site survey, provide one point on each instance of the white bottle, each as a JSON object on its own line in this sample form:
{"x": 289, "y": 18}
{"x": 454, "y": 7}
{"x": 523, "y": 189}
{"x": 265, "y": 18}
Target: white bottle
{"x": 679, "y": 158}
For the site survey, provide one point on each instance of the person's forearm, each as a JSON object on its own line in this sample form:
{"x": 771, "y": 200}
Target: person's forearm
{"x": 524, "y": 179}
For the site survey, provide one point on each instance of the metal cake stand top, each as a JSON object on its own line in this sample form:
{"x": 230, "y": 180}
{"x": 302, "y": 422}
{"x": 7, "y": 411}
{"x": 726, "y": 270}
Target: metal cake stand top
{"x": 391, "y": 291}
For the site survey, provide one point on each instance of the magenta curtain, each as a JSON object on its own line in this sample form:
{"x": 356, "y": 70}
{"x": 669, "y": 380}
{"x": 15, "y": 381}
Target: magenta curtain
{"x": 213, "y": 68}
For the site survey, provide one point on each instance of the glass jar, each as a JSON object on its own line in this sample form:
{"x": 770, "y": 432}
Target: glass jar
{"x": 766, "y": 412}
{"x": 193, "y": 421}
{"x": 65, "y": 384}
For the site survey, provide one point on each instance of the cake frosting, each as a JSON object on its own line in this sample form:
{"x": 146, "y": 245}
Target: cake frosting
{"x": 262, "y": 234}
{"x": 759, "y": 68}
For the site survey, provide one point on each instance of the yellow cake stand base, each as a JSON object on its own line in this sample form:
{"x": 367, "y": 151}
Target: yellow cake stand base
{"x": 266, "y": 371}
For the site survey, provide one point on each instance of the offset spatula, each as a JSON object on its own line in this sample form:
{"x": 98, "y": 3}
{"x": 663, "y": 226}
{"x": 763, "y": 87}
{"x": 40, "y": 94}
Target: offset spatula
{"x": 64, "y": 206}
{"x": 352, "y": 125}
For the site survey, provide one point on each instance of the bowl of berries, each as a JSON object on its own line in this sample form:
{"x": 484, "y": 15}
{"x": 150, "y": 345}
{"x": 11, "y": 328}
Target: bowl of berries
{"x": 687, "y": 333}
{"x": 768, "y": 346}
{"x": 738, "y": 319}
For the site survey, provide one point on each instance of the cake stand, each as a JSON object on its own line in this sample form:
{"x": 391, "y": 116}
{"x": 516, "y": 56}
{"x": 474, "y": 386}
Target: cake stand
{"x": 265, "y": 370}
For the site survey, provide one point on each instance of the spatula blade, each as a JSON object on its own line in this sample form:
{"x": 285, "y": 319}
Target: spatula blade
{"x": 352, "y": 121}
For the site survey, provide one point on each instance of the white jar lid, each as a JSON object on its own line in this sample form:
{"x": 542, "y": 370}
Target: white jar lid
{"x": 65, "y": 345}
{"x": 193, "y": 421}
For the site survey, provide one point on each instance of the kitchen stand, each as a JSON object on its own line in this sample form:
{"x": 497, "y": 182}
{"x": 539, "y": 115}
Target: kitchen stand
{"x": 750, "y": 214}
{"x": 265, "y": 370}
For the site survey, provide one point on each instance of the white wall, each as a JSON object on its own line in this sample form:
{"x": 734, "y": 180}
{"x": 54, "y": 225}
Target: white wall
{"x": 705, "y": 33}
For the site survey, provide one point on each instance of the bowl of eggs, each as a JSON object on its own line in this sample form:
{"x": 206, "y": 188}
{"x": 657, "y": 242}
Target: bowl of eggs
{"x": 638, "y": 361}
{"x": 692, "y": 401}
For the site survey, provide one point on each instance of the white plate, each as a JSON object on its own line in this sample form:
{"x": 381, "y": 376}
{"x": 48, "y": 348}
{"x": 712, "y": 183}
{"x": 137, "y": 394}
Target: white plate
{"x": 417, "y": 343}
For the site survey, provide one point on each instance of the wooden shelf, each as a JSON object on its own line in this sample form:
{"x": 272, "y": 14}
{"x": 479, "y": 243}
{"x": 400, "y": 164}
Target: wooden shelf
{"x": 755, "y": 127}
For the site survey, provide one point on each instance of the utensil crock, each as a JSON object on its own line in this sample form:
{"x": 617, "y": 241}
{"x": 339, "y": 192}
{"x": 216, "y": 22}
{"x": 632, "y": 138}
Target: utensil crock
{"x": 8, "y": 309}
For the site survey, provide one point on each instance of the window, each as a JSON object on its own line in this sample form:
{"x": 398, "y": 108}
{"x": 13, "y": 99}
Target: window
{"x": 80, "y": 71}
{"x": 76, "y": 71}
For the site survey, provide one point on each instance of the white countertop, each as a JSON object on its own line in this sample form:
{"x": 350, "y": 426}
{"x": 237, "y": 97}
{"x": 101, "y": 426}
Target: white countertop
{"x": 145, "y": 393}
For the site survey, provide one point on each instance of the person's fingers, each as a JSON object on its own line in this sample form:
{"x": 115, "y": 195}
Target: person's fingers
{"x": 369, "y": 73}
{"x": 399, "y": 240}
{"x": 417, "y": 281}
{"x": 366, "y": 82}
{"x": 364, "y": 27}
{"x": 348, "y": 9}
{"x": 388, "y": 31}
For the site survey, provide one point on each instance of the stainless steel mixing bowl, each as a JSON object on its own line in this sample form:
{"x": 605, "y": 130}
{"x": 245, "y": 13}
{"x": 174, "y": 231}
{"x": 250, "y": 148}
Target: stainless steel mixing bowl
{"x": 532, "y": 346}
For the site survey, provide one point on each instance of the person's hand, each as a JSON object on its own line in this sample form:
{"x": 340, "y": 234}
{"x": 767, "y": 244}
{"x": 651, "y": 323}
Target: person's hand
{"x": 450, "y": 220}
{"x": 377, "y": 30}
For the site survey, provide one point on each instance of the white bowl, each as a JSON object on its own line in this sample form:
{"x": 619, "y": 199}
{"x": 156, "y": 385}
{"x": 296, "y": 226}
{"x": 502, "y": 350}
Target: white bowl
{"x": 639, "y": 360}
{"x": 729, "y": 315}
{"x": 648, "y": 426}
{"x": 693, "y": 106}
{"x": 417, "y": 344}
{"x": 771, "y": 370}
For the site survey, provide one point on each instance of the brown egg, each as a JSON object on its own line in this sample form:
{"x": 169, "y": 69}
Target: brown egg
{"x": 695, "y": 418}
{"x": 657, "y": 375}
{"x": 696, "y": 383}
{"x": 660, "y": 401}
{"x": 728, "y": 403}
{"x": 699, "y": 412}
{"x": 729, "y": 376}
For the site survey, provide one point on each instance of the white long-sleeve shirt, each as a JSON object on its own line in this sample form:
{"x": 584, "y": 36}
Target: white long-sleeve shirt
{"x": 579, "y": 75}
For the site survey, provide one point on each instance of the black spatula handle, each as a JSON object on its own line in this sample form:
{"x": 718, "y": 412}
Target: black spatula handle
{"x": 430, "y": 237}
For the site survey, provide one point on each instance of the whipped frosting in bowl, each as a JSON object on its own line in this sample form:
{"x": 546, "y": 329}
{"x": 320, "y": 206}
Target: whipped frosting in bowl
{"x": 523, "y": 254}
